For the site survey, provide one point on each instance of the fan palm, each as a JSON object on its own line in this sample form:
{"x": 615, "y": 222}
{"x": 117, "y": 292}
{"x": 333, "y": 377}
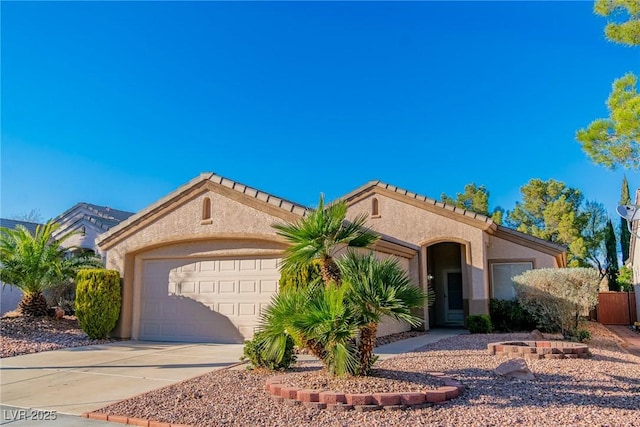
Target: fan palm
{"x": 33, "y": 263}
{"x": 316, "y": 317}
{"x": 377, "y": 289}
{"x": 319, "y": 235}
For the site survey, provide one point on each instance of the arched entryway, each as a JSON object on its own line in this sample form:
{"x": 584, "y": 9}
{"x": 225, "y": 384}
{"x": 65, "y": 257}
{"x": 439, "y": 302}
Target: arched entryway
{"x": 446, "y": 268}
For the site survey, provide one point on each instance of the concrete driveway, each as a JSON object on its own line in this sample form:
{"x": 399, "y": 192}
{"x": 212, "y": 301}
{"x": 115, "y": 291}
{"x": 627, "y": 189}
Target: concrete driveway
{"x": 83, "y": 379}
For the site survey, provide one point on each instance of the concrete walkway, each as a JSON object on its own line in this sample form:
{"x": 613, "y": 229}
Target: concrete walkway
{"x": 77, "y": 380}
{"x": 406, "y": 346}
{"x": 631, "y": 340}
{"x": 72, "y": 381}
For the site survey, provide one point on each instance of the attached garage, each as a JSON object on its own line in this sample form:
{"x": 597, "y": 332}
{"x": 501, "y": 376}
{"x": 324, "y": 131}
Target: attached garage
{"x": 205, "y": 300}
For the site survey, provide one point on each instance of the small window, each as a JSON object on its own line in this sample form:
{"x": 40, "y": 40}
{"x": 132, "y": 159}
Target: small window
{"x": 501, "y": 274}
{"x": 375, "y": 210}
{"x": 206, "y": 209}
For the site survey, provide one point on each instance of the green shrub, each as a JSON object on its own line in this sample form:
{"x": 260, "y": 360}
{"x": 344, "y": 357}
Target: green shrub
{"x": 510, "y": 316}
{"x": 98, "y": 301}
{"x": 584, "y": 335}
{"x": 259, "y": 357}
{"x": 301, "y": 278}
{"x": 558, "y": 297}
{"x": 479, "y": 324}
{"x": 625, "y": 279}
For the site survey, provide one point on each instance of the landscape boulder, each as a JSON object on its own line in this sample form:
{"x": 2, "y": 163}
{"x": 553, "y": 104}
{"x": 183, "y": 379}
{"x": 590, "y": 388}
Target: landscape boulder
{"x": 536, "y": 335}
{"x": 515, "y": 368}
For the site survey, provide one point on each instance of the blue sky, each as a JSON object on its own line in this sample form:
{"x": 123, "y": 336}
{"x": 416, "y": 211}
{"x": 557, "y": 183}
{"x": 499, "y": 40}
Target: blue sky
{"x": 120, "y": 103}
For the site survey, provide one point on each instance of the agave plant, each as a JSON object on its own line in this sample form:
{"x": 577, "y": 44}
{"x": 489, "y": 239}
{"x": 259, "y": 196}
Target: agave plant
{"x": 319, "y": 235}
{"x": 377, "y": 289}
{"x": 33, "y": 263}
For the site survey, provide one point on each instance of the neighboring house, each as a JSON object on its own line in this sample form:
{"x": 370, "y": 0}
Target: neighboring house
{"x": 86, "y": 219}
{"x": 201, "y": 263}
{"x": 634, "y": 255}
{"x": 10, "y": 296}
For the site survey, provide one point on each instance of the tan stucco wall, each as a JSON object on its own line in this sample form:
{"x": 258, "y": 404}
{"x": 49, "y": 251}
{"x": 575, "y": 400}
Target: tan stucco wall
{"x": 498, "y": 249}
{"x": 408, "y": 221}
{"x": 421, "y": 227}
{"x": 235, "y": 229}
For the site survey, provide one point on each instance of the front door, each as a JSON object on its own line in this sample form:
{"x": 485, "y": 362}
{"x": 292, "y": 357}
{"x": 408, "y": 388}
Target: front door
{"x": 454, "y": 309}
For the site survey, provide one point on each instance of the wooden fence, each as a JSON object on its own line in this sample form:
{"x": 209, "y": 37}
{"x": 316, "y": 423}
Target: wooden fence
{"x": 617, "y": 308}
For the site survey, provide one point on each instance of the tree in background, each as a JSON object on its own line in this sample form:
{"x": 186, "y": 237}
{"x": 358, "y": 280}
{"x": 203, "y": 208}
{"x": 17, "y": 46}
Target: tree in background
{"x": 593, "y": 233}
{"x": 625, "y": 234}
{"x": 34, "y": 215}
{"x": 552, "y": 211}
{"x": 625, "y": 32}
{"x": 612, "y": 257}
{"x": 474, "y": 199}
{"x": 613, "y": 141}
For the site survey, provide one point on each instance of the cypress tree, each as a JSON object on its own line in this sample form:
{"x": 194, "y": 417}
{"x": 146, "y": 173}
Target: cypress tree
{"x": 625, "y": 235}
{"x": 611, "y": 257}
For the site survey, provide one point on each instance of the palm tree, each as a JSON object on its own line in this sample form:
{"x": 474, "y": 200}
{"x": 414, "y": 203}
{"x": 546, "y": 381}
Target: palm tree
{"x": 33, "y": 263}
{"x": 317, "y": 318}
{"x": 377, "y": 289}
{"x": 319, "y": 235}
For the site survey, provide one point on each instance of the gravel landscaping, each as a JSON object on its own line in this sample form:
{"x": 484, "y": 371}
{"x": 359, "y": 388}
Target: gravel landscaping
{"x": 22, "y": 335}
{"x": 603, "y": 390}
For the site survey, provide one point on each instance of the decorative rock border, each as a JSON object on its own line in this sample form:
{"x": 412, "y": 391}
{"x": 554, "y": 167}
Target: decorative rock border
{"x": 128, "y": 420}
{"x": 539, "y": 349}
{"x": 363, "y": 402}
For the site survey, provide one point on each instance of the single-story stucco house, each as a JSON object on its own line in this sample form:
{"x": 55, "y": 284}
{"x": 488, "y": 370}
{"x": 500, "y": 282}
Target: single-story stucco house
{"x": 201, "y": 263}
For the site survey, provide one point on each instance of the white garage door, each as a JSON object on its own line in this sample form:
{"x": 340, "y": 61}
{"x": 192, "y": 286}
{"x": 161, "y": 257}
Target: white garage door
{"x": 205, "y": 300}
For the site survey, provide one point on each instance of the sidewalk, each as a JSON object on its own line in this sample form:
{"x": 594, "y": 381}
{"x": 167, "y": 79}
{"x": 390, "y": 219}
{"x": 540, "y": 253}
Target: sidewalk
{"x": 403, "y": 346}
{"x": 631, "y": 340}
{"x": 406, "y": 346}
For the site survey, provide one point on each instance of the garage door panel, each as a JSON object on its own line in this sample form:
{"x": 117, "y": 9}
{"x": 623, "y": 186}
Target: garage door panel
{"x": 228, "y": 309}
{"x": 247, "y": 286}
{"x": 246, "y": 309}
{"x": 214, "y": 300}
{"x": 248, "y": 265}
{"x": 268, "y": 286}
{"x": 207, "y": 287}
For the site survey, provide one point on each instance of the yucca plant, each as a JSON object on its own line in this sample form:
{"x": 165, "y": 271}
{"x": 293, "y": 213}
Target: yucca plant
{"x": 319, "y": 235}
{"x": 375, "y": 289}
{"x": 33, "y": 263}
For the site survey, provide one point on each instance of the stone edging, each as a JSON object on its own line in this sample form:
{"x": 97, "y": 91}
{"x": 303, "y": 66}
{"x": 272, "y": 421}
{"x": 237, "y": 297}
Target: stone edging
{"x": 128, "y": 420}
{"x": 362, "y": 402}
{"x": 539, "y": 349}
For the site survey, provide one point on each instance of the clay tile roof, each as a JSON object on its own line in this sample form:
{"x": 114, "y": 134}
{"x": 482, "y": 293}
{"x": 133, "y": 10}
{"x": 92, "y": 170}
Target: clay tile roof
{"x": 260, "y": 195}
{"x": 419, "y": 197}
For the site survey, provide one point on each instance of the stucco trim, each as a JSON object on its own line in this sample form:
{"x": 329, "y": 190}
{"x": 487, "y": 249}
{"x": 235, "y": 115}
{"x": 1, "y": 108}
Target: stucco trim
{"x": 195, "y": 238}
{"x": 390, "y": 247}
{"x": 634, "y": 233}
{"x": 462, "y": 215}
{"x": 558, "y": 251}
{"x": 275, "y": 206}
{"x": 465, "y": 243}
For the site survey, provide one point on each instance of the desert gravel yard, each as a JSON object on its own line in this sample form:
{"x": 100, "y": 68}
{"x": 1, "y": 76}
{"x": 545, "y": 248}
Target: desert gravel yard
{"x": 600, "y": 391}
